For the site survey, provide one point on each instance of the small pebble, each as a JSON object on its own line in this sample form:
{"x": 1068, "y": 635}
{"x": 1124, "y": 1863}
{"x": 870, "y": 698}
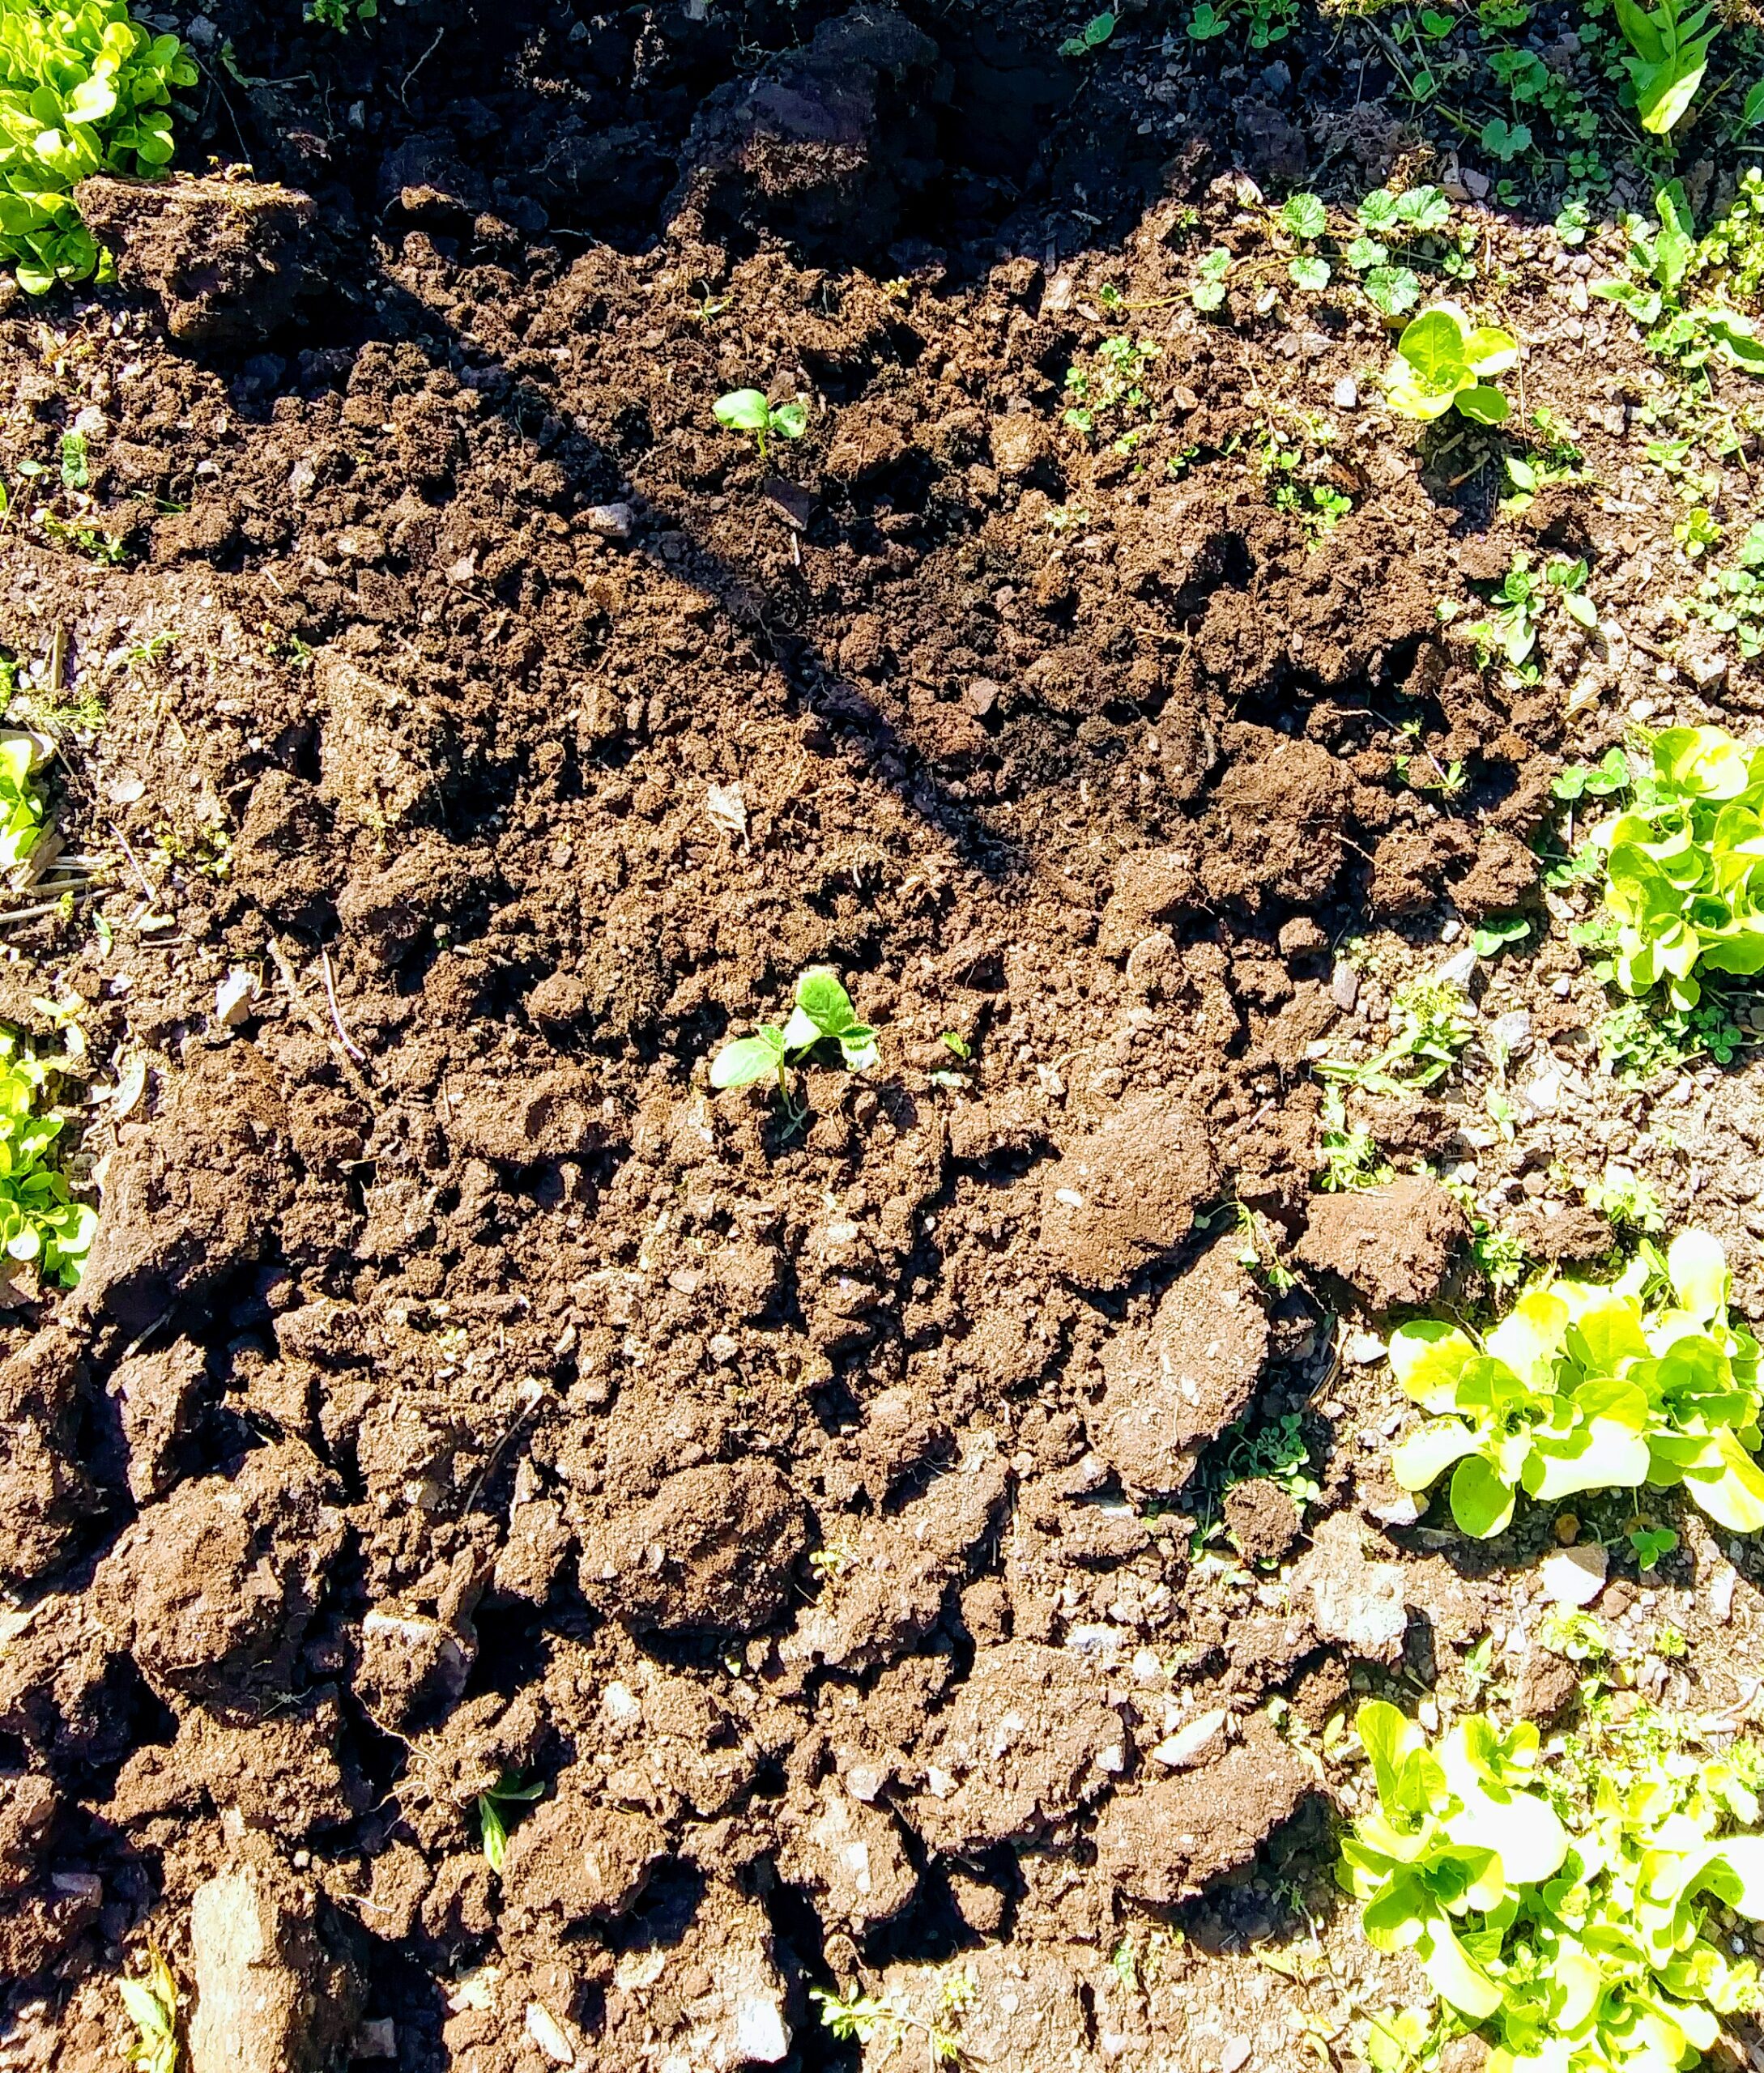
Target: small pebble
{"x": 1345, "y": 395}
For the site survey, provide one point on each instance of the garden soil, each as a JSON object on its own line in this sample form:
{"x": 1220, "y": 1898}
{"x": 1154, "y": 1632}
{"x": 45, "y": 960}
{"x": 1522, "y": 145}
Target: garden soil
{"x": 820, "y": 1509}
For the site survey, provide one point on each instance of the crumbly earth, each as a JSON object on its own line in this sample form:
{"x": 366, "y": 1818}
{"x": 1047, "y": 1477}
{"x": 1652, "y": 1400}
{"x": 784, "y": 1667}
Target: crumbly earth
{"x": 846, "y": 1523}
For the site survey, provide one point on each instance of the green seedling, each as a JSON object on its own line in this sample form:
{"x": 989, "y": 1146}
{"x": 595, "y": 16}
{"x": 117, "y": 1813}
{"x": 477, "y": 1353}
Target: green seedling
{"x": 862, "y": 2019}
{"x": 1304, "y": 219}
{"x": 1443, "y": 363}
{"x": 337, "y": 16}
{"x": 1670, "y": 48}
{"x": 1652, "y": 1545}
{"x": 1208, "y": 291}
{"x": 1589, "y": 1386}
{"x": 823, "y": 1014}
{"x": 1489, "y": 938}
{"x": 1431, "y": 1029}
{"x": 499, "y": 1810}
{"x": 76, "y": 468}
{"x": 1732, "y": 600}
{"x": 1091, "y": 36}
{"x": 1114, "y": 386}
{"x": 83, "y": 91}
{"x": 746, "y": 410}
{"x": 1626, "y": 1199}
{"x": 1658, "y": 268}
{"x": 151, "y": 2002}
{"x": 1682, "y": 865}
{"x": 1566, "y": 1908}
{"x": 1351, "y": 1158}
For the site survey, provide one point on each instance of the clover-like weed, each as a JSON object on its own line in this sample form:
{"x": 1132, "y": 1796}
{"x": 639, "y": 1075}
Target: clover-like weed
{"x": 746, "y": 410}
{"x": 1432, "y": 1026}
{"x": 823, "y": 1015}
{"x": 1592, "y": 1386}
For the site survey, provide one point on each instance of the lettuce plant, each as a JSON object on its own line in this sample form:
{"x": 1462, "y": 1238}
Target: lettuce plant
{"x": 1585, "y": 1387}
{"x": 83, "y": 90}
{"x": 1682, "y": 863}
{"x": 1444, "y": 362}
{"x": 1563, "y": 1911}
{"x": 39, "y": 1221}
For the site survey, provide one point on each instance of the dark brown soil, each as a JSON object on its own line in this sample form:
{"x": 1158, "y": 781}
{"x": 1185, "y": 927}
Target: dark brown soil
{"x": 460, "y": 1395}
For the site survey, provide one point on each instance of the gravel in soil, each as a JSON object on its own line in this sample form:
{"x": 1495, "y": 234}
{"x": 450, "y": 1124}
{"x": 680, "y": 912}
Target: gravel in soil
{"x": 846, "y": 1522}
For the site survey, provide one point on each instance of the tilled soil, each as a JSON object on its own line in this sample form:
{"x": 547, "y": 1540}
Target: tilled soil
{"x": 459, "y": 1393}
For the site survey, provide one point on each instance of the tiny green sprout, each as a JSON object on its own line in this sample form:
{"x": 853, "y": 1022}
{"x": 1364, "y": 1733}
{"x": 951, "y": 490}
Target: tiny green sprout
{"x": 746, "y": 410}
{"x": 1207, "y": 21}
{"x": 951, "y": 1041}
{"x": 496, "y": 1814}
{"x": 151, "y": 2002}
{"x": 1441, "y": 363}
{"x": 1491, "y": 937}
{"x": 76, "y": 470}
{"x": 1651, "y": 1545}
{"x": 1669, "y": 1642}
{"x": 823, "y": 1014}
{"x": 1091, "y": 36}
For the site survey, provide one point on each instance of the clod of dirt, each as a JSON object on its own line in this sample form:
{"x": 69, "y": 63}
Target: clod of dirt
{"x": 887, "y": 1587}
{"x": 155, "y": 1393}
{"x": 1166, "y": 1841}
{"x": 1548, "y": 1685}
{"x": 40, "y": 1917}
{"x": 1173, "y": 1385}
{"x": 284, "y": 856}
{"x": 1125, "y": 1196}
{"x": 1029, "y": 1739}
{"x": 195, "y": 1198}
{"x": 550, "y": 1115}
{"x": 44, "y": 1494}
{"x": 1261, "y": 1519}
{"x": 221, "y": 257}
{"x": 852, "y": 1859}
{"x": 1575, "y": 1237}
{"x": 574, "y": 1860}
{"x": 1279, "y": 818}
{"x": 1392, "y": 1245}
{"x": 379, "y": 755}
{"x": 270, "y": 1996}
{"x": 824, "y": 142}
{"x": 1152, "y": 888}
{"x": 1353, "y": 1597}
{"x": 220, "y": 1582}
{"x": 714, "y": 1551}
{"x": 1505, "y": 874}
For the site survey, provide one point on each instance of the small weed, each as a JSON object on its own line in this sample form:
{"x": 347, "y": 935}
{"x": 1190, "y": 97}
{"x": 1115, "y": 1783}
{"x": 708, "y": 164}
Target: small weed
{"x": 152, "y": 2003}
{"x": 1277, "y": 1454}
{"x": 1091, "y": 36}
{"x": 746, "y": 410}
{"x": 498, "y": 1811}
{"x": 338, "y": 15}
{"x": 1207, "y": 290}
{"x": 1627, "y": 1199}
{"x": 1671, "y": 49}
{"x": 76, "y": 470}
{"x": 1113, "y": 387}
{"x": 1732, "y": 600}
{"x": 1351, "y": 1158}
{"x": 1651, "y": 1545}
{"x": 1432, "y": 1028}
{"x": 864, "y": 2020}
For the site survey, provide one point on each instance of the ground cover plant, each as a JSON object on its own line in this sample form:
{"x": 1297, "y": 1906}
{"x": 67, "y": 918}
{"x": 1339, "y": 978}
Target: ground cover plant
{"x": 615, "y": 1537}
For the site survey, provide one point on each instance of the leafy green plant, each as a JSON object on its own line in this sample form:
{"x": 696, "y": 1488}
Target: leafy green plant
{"x": 83, "y": 90}
{"x": 1658, "y": 266}
{"x": 1277, "y": 1453}
{"x": 1589, "y": 1386}
{"x": 1569, "y": 1912}
{"x": 823, "y": 1014}
{"x": 151, "y": 2002}
{"x": 1443, "y": 363}
{"x": 1432, "y": 1028}
{"x": 1652, "y": 1545}
{"x": 337, "y": 16}
{"x": 39, "y": 1221}
{"x": 1670, "y": 48}
{"x": 1732, "y": 600}
{"x": 24, "y": 807}
{"x": 1207, "y": 292}
{"x": 746, "y": 410}
{"x": 1682, "y": 865}
{"x": 1626, "y": 1198}
{"x": 1304, "y": 219}
{"x": 498, "y": 1810}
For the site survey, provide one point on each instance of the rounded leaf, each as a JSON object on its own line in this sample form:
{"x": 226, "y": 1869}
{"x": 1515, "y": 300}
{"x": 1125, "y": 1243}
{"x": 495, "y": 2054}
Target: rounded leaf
{"x": 1485, "y": 405}
{"x": 746, "y": 1060}
{"x": 1481, "y": 1504}
{"x": 743, "y": 410}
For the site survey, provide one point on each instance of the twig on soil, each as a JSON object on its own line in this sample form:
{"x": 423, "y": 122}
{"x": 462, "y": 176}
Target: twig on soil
{"x": 353, "y": 1049}
{"x": 316, "y": 1023}
{"x": 147, "y": 886}
{"x": 35, "y": 913}
{"x": 404, "y": 87}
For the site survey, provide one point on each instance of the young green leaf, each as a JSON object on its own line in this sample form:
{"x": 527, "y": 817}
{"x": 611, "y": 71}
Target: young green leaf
{"x": 750, "y": 1058}
{"x": 1308, "y": 272}
{"x": 1304, "y": 216}
{"x": 743, "y": 409}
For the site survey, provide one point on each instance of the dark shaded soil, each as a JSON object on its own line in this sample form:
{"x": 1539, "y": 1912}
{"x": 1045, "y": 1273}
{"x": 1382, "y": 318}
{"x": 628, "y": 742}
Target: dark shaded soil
{"x": 459, "y": 1394}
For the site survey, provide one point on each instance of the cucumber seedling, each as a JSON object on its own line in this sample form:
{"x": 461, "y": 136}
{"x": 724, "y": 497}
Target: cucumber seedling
{"x": 823, "y": 1015}
{"x": 746, "y": 410}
